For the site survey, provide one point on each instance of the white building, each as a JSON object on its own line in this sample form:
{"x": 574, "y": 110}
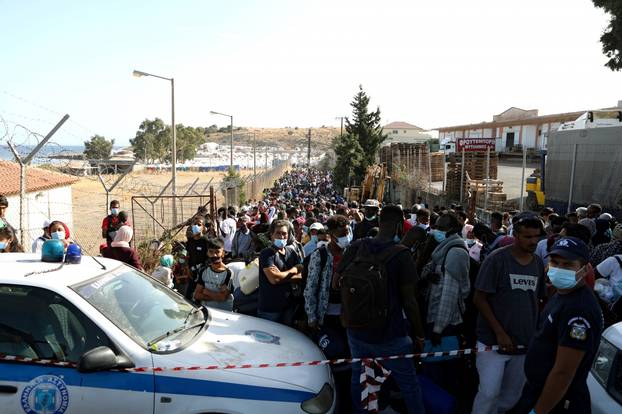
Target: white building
{"x": 403, "y": 132}
{"x": 512, "y": 128}
{"x": 48, "y": 196}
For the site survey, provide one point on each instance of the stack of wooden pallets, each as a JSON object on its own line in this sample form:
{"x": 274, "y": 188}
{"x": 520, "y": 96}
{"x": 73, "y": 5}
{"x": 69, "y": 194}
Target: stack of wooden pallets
{"x": 496, "y": 197}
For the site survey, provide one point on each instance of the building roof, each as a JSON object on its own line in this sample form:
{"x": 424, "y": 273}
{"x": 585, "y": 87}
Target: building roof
{"x": 542, "y": 119}
{"x": 37, "y": 179}
{"x": 401, "y": 125}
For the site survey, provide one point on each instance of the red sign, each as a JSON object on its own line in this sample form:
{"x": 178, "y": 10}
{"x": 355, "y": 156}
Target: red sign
{"x": 475, "y": 144}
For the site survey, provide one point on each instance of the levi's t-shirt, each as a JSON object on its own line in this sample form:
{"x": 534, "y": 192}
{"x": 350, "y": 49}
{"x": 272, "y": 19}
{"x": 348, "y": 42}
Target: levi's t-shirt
{"x": 513, "y": 292}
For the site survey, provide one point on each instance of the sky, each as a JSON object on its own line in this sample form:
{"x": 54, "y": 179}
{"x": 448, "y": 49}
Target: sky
{"x": 278, "y": 63}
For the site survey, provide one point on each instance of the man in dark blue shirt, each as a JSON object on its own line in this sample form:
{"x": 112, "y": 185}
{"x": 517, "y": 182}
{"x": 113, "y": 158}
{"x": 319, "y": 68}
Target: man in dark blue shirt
{"x": 561, "y": 354}
{"x": 392, "y": 337}
{"x": 279, "y": 267}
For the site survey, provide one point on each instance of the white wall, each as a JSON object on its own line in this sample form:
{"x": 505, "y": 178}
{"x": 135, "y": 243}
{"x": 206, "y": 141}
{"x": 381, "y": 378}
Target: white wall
{"x": 54, "y": 204}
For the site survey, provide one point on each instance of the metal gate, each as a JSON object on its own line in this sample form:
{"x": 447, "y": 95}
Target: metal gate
{"x": 153, "y": 217}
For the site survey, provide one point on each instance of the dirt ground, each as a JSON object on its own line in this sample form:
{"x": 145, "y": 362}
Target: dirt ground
{"x": 89, "y": 198}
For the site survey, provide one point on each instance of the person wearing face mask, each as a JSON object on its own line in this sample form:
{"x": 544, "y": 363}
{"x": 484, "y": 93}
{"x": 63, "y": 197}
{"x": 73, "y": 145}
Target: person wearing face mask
{"x": 508, "y": 290}
{"x": 111, "y": 222}
{"x": 8, "y": 241}
{"x": 446, "y": 301}
{"x": 562, "y": 352}
{"x": 312, "y": 243}
{"x": 196, "y": 247}
{"x": 369, "y": 221}
{"x": 59, "y": 231}
{"x": 214, "y": 288}
{"x": 280, "y": 265}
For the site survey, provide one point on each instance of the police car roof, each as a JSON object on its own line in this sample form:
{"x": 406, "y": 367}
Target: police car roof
{"x": 24, "y": 268}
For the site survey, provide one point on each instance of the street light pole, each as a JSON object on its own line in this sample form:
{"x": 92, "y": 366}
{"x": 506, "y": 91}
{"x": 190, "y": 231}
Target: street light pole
{"x": 139, "y": 74}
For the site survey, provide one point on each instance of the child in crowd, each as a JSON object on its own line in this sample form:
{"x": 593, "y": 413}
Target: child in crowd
{"x": 8, "y": 241}
{"x": 163, "y": 273}
{"x": 59, "y": 231}
{"x": 214, "y": 285}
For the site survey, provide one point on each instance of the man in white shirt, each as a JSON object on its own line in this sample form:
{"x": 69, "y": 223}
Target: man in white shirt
{"x": 228, "y": 227}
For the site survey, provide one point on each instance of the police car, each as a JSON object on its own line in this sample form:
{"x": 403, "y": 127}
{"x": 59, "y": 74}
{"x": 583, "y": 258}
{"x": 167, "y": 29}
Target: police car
{"x": 73, "y": 335}
{"x": 605, "y": 378}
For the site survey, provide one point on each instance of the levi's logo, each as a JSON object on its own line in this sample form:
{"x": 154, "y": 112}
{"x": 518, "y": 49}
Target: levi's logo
{"x": 523, "y": 282}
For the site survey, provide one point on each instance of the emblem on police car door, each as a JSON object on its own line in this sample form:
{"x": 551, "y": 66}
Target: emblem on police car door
{"x": 45, "y": 394}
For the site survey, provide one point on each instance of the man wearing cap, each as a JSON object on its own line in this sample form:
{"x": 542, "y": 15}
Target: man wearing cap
{"x": 38, "y": 243}
{"x": 371, "y": 208}
{"x": 563, "y": 349}
{"x": 313, "y": 233}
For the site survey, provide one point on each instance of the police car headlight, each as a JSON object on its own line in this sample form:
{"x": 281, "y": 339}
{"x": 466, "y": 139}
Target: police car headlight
{"x": 321, "y": 403}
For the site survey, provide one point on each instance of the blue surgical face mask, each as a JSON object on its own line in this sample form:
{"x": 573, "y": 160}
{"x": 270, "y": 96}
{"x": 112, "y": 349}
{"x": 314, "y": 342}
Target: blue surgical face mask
{"x": 343, "y": 242}
{"x": 280, "y": 243}
{"x": 314, "y": 238}
{"x": 562, "y": 278}
{"x": 423, "y": 226}
{"x": 114, "y": 211}
{"x": 196, "y": 229}
{"x": 58, "y": 235}
{"x": 439, "y": 236}
{"x": 3, "y": 245}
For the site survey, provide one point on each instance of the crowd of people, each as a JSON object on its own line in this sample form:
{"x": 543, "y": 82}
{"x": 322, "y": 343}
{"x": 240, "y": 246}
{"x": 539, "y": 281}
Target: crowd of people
{"x": 376, "y": 280}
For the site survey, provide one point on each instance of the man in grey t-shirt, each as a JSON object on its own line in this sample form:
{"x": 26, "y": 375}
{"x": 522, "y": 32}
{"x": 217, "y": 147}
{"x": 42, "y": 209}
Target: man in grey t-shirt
{"x": 508, "y": 288}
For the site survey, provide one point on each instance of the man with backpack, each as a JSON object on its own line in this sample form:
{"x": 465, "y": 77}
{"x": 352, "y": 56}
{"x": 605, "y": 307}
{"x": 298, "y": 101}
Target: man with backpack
{"x": 449, "y": 288}
{"x": 377, "y": 279}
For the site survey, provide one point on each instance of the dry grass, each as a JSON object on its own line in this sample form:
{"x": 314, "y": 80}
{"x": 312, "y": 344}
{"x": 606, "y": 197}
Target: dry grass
{"x": 89, "y": 198}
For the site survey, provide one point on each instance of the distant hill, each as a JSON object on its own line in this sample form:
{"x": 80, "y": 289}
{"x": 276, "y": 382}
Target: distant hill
{"x": 286, "y": 138}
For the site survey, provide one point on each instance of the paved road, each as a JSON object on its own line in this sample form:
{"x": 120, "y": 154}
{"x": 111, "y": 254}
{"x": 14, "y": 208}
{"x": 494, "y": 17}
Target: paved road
{"x": 510, "y": 174}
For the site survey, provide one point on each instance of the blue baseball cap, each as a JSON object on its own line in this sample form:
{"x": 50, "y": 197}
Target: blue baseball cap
{"x": 570, "y": 248}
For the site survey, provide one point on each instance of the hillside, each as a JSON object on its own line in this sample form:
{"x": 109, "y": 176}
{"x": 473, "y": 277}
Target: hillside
{"x": 287, "y": 138}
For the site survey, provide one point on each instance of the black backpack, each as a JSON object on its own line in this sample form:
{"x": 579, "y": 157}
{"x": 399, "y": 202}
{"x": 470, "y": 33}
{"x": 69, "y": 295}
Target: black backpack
{"x": 364, "y": 288}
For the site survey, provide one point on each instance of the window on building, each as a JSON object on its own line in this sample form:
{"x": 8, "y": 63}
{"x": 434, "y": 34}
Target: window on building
{"x": 395, "y": 131}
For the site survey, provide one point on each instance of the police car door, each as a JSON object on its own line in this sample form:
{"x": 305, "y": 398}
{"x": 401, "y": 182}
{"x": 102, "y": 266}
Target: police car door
{"x": 43, "y": 339}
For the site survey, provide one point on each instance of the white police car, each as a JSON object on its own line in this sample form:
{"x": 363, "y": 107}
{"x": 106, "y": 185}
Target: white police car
{"x": 605, "y": 378}
{"x": 93, "y": 320}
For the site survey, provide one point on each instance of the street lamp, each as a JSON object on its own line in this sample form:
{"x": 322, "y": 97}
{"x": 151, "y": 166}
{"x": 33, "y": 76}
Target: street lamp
{"x": 230, "y": 116}
{"x": 140, "y": 74}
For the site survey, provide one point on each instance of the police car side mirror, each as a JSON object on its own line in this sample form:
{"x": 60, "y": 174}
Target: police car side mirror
{"x": 102, "y": 358}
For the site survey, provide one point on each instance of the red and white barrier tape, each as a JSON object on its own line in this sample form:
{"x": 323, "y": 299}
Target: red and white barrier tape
{"x": 457, "y": 352}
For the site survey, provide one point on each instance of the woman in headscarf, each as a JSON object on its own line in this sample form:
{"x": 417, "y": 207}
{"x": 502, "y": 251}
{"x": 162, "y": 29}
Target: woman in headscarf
{"x": 120, "y": 248}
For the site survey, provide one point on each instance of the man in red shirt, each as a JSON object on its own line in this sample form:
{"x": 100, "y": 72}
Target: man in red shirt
{"x": 111, "y": 222}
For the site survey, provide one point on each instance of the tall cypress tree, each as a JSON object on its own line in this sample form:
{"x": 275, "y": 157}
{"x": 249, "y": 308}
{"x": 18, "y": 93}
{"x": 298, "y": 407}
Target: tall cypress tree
{"x": 349, "y": 157}
{"x": 365, "y": 126}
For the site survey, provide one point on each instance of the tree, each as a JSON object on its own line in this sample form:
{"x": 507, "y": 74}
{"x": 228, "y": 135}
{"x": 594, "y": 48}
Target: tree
{"x": 611, "y": 38}
{"x": 232, "y": 180}
{"x": 365, "y": 127}
{"x": 153, "y": 141}
{"x": 98, "y": 148}
{"x": 349, "y": 158}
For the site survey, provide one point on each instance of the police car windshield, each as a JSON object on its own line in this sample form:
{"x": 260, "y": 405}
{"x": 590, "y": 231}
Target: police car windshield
{"x": 142, "y": 308}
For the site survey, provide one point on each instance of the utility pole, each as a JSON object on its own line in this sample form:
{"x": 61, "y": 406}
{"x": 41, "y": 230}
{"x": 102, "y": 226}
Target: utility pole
{"x": 254, "y": 163}
{"x": 309, "y": 150}
{"x": 341, "y": 118}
